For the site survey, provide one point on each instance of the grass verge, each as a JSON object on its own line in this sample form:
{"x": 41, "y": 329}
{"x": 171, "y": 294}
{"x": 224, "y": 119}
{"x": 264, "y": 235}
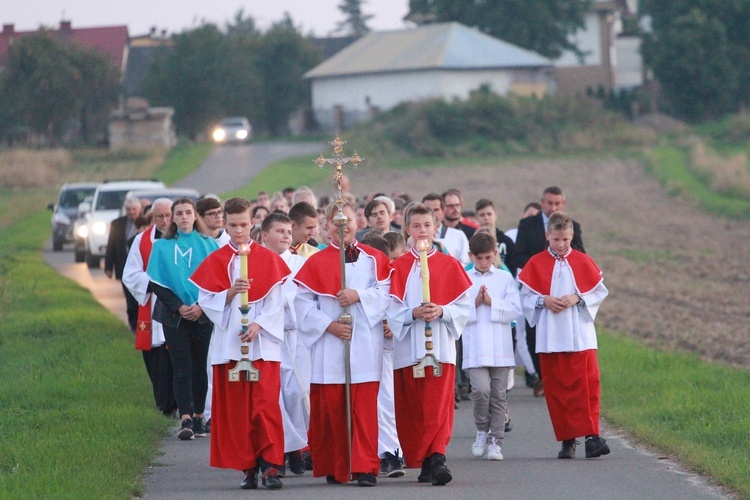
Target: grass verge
{"x": 294, "y": 172}
{"x": 670, "y": 166}
{"x": 76, "y": 412}
{"x": 182, "y": 160}
{"x": 697, "y": 412}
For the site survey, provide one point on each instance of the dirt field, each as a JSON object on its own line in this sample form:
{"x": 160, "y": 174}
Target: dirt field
{"x": 677, "y": 276}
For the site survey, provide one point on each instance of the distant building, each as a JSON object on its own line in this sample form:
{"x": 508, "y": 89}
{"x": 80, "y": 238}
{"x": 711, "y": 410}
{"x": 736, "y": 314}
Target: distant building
{"x": 138, "y": 126}
{"x": 444, "y": 60}
{"x": 111, "y": 41}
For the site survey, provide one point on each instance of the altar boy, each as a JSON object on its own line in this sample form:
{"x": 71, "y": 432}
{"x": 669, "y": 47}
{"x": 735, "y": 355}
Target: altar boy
{"x": 246, "y": 431}
{"x": 424, "y": 406}
{"x": 318, "y": 304}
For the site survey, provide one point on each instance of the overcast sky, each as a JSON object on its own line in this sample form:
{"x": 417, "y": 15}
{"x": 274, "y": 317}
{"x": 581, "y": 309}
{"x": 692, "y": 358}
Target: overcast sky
{"x": 317, "y": 16}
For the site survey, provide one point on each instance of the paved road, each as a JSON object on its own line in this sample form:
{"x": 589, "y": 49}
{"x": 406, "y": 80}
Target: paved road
{"x": 530, "y": 469}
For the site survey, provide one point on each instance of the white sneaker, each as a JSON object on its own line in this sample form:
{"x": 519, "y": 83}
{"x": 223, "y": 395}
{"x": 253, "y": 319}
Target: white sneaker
{"x": 479, "y": 448}
{"x": 493, "y": 451}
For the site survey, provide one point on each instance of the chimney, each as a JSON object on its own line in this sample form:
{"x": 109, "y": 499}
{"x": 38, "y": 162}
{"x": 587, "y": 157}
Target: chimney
{"x": 8, "y": 29}
{"x": 65, "y": 26}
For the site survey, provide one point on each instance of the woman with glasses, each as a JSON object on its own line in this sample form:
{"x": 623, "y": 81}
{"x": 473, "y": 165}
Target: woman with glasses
{"x": 187, "y": 329}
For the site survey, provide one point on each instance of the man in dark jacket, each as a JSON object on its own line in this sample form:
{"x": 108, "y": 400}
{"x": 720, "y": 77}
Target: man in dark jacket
{"x": 121, "y": 231}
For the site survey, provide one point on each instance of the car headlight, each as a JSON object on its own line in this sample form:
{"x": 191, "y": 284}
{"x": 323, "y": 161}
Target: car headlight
{"x": 241, "y": 134}
{"x": 83, "y": 231}
{"x": 99, "y": 228}
{"x": 61, "y": 218}
{"x": 219, "y": 134}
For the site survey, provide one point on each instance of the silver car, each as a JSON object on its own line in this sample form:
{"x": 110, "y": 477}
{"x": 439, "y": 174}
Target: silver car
{"x": 233, "y": 130}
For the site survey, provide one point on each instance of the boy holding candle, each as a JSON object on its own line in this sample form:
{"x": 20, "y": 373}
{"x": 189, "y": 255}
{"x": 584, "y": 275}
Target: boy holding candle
{"x": 424, "y": 406}
{"x": 318, "y": 305}
{"x": 247, "y": 432}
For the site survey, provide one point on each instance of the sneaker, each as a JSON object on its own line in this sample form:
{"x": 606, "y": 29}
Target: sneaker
{"x": 368, "y": 479}
{"x": 199, "y": 427}
{"x": 479, "y": 448}
{"x": 250, "y": 482}
{"x": 393, "y": 465}
{"x": 531, "y": 379}
{"x": 596, "y": 447}
{"x": 493, "y": 451}
{"x": 296, "y": 462}
{"x": 383, "y": 466}
{"x": 186, "y": 430}
{"x": 441, "y": 474}
{"x": 568, "y": 449}
{"x": 425, "y": 476}
{"x": 270, "y": 478}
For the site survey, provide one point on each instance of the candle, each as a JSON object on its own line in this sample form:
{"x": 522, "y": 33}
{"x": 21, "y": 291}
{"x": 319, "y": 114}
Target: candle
{"x": 243, "y": 251}
{"x": 422, "y": 246}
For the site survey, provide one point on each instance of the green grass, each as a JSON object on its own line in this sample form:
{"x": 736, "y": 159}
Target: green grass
{"x": 295, "y": 172}
{"x": 182, "y": 160}
{"x": 77, "y": 417}
{"x": 696, "y": 411}
{"x": 669, "y": 164}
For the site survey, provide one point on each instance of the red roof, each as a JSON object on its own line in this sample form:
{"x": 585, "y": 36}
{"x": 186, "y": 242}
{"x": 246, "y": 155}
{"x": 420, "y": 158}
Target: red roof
{"x": 109, "y": 40}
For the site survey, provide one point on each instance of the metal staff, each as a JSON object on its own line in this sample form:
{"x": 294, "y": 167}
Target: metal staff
{"x": 429, "y": 358}
{"x": 340, "y": 219}
{"x": 244, "y": 365}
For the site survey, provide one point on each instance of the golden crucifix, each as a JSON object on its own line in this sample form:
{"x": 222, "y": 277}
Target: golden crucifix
{"x": 338, "y": 160}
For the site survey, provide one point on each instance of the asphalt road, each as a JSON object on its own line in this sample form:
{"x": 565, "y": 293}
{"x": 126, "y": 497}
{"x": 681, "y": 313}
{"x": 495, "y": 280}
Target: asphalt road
{"x": 530, "y": 469}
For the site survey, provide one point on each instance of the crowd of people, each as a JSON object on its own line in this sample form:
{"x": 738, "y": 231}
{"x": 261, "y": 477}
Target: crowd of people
{"x": 237, "y": 309}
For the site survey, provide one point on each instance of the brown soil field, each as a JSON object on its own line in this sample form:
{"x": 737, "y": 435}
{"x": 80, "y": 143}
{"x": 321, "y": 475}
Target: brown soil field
{"x": 677, "y": 276}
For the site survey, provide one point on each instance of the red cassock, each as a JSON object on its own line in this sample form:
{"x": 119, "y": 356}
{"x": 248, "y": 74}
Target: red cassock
{"x": 424, "y": 406}
{"x": 246, "y": 417}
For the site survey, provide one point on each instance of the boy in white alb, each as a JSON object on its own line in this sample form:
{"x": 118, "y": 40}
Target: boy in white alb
{"x": 562, "y": 289}
{"x": 247, "y": 432}
{"x": 318, "y": 304}
{"x": 488, "y": 344}
{"x": 276, "y": 235}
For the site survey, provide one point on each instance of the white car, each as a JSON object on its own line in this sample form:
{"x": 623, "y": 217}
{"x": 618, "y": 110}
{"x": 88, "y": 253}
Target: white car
{"x": 233, "y": 130}
{"x": 104, "y": 208}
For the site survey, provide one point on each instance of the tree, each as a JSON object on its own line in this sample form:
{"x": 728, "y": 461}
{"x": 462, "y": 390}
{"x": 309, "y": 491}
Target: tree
{"x": 719, "y": 85}
{"x": 543, "y": 26}
{"x": 191, "y": 78}
{"x": 47, "y": 83}
{"x": 355, "y": 22}
{"x": 283, "y": 58}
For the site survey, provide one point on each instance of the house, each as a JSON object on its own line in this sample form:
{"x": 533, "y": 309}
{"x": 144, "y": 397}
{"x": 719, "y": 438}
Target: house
{"x": 443, "y": 60}
{"x": 138, "y": 126}
{"x": 611, "y": 56}
{"x": 111, "y": 41}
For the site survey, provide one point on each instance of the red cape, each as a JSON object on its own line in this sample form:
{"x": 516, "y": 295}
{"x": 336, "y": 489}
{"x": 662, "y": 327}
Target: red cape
{"x": 143, "y": 325}
{"x": 537, "y": 273}
{"x": 448, "y": 280}
{"x": 264, "y": 267}
{"x": 321, "y": 274}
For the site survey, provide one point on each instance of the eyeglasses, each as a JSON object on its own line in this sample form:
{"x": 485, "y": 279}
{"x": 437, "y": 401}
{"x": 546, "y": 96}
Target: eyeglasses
{"x": 163, "y": 217}
{"x": 214, "y": 213}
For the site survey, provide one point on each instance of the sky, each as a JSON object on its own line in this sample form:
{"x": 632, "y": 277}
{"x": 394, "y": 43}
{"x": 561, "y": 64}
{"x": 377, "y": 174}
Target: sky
{"x": 318, "y": 17}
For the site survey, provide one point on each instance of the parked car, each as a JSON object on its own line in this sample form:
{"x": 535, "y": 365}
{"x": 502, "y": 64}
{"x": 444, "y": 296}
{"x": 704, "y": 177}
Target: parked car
{"x": 171, "y": 193}
{"x": 233, "y": 130}
{"x": 65, "y": 211}
{"x": 106, "y": 206}
{"x": 79, "y": 235}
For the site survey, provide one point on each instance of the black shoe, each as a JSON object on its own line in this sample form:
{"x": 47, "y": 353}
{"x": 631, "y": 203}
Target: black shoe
{"x": 425, "y": 476}
{"x": 208, "y": 426}
{"x": 199, "y": 427}
{"x": 568, "y": 449}
{"x": 186, "y": 431}
{"x": 308, "y": 460}
{"x": 271, "y": 479}
{"x": 508, "y": 425}
{"x": 531, "y": 379}
{"x": 296, "y": 463}
{"x": 281, "y": 471}
{"x": 368, "y": 479}
{"x": 393, "y": 467}
{"x": 441, "y": 475}
{"x": 383, "y": 466}
{"x": 596, "y": 447}
{"x": 250, "y": 482}
{"x": 332, "y": 480}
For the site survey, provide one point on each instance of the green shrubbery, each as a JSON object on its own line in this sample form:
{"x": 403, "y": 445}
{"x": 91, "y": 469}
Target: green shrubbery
{"x": 489, "y": 124}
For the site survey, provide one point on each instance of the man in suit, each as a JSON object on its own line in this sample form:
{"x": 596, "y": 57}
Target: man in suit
{"x": 531, "y": 240}
{"x": 121, "y": 231}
